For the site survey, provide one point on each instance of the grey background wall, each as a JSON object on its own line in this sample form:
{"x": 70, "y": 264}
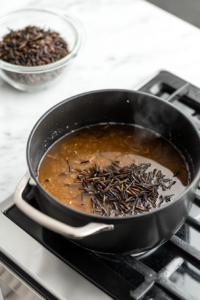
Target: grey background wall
{"x": 188, "y": 10}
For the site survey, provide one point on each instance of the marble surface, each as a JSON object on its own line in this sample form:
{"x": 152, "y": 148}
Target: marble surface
{"x": 125, "y": 43}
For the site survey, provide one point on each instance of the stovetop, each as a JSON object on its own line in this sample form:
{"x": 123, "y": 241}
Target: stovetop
{"x": 172, "y": 271}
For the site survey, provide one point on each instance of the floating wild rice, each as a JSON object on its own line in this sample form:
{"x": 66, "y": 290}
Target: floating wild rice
{"x": 121, "y": 192}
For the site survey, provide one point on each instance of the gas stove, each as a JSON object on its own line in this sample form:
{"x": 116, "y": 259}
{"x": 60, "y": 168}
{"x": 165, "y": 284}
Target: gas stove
{"x": 38, "y": 264}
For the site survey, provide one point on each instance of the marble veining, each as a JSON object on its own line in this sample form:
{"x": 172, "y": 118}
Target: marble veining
{"x": 125, "y": 42}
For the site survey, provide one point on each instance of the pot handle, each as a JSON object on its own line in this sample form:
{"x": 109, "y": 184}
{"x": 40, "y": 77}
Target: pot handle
{"x": 50, "y": 223}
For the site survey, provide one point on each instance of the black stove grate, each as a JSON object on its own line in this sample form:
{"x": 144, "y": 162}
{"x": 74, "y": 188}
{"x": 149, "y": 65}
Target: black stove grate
{"x": 176, "y": 90}
{"x": 168, "y": 272}
{"x": 123, "y": 276}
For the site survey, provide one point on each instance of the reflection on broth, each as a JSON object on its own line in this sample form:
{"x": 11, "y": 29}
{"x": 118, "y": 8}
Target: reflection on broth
{"x": 103, "y": 145}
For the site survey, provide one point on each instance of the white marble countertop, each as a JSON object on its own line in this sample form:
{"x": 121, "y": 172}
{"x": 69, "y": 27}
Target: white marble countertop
{"x": 126, "y": 42}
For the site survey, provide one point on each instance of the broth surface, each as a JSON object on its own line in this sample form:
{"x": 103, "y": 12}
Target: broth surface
{"x": 103, "y": 144}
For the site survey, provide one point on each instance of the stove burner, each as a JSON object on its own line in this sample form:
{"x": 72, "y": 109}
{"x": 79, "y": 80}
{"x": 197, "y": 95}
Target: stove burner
{"x": 170, "y": 271}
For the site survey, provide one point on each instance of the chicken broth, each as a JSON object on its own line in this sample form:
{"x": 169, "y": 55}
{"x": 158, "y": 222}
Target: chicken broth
{"x": 74, "y": 159}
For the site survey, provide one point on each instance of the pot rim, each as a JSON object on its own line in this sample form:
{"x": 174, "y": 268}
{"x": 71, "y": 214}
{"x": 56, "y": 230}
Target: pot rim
{"x": 101, "y": 218}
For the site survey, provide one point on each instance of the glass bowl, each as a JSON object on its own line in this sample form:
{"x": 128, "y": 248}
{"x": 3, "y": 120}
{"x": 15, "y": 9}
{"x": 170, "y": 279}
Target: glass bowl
{"x": 35, "y": 78}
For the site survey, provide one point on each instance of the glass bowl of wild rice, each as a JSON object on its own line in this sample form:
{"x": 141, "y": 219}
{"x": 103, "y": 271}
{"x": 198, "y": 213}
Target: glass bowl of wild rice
{"x": 36, "y": 47}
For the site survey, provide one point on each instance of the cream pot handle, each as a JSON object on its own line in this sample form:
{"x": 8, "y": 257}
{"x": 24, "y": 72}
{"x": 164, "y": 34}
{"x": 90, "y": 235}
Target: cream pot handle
{"x": 50, "y": 223}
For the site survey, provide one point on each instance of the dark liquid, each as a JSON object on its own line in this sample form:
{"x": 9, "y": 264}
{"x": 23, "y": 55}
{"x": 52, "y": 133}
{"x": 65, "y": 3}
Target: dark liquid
{"x": 103, "y": 144}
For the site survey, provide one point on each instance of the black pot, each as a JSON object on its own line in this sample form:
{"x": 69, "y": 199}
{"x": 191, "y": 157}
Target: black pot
{"x": 133, "y": 234}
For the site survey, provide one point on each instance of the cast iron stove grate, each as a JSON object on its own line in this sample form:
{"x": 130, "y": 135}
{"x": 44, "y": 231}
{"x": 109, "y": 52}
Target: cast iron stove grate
{"x": 171, "y": 271}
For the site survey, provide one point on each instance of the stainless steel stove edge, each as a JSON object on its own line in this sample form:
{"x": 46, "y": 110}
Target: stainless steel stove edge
{"x": 50, "y": 272}
{"x": 6, "y": 204}
{"x": 13, "y": 287}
